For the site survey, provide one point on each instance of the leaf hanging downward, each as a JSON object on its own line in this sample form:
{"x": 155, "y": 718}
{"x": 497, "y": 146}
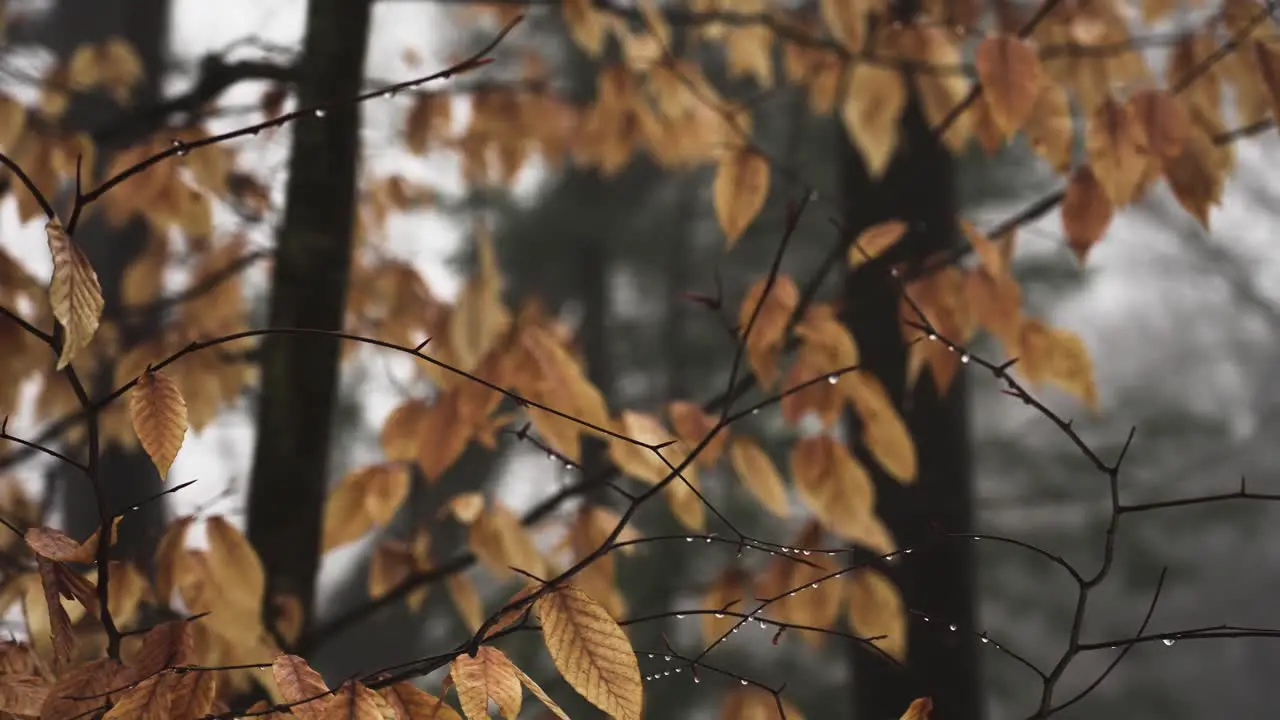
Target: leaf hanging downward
{"x": 159, "y": 416}
{"x": 490, "y": 675}
{"x": 739, "y": 191}
{"x": 410, "y": 703}
{"x": 74, "y": 293}
{"x": 1011, "y": 75}
{"x": 591, "y": 651}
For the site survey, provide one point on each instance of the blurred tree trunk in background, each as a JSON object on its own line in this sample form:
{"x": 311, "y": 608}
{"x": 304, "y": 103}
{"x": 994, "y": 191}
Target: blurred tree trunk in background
{"x": 308, "y": 290}
{"x": 919, "y": 188}
{"x": 128, "y": 475}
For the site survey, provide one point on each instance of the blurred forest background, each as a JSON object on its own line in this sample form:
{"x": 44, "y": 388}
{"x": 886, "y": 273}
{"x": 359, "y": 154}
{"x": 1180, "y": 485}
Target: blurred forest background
{"x": 1183, "y": 326}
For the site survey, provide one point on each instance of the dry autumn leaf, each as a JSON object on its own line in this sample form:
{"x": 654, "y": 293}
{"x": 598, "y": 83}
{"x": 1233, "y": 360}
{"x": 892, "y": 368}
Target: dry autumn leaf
{"x": 74, "y": 293}
{"x": 591, "y": 651}
{"x": 760, "y": 476}
{"x": 1011, "y": 78}
{"x": 739, "y": 190}
{"x": 872, "y": 242}
{"x": 364, "y": 499}
{"x": 876, "y": 610}
{"x": 302, "y": 687}
{"x": 919, "y": 709}
{"x": 832, "y": 484}
{"x": 159, "y": 416}
{"x": 411, "y": 703}
{"x": 1086, "y": 212}
{"x": 872, "y": 109}
{"x": 490, "y": 675}
{"x": 884, "y": 432}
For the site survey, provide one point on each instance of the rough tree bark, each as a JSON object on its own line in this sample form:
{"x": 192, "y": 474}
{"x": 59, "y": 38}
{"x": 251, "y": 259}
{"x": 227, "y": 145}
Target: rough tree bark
{"x": 129, "y": 475}
{"x": 308, "y": 290}
{"x": 918, "y": 187}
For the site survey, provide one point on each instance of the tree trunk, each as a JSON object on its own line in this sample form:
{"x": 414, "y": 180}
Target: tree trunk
{"x": 308, "y": 290}
{"x": 918, "y": 187}
{"x": 128, "y": 476}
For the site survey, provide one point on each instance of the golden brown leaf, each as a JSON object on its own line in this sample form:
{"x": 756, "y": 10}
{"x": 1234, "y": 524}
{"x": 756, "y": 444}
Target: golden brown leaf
{"x": 22, "y": 694}
{"x": 884, "y": 432}
{"x": 410, "y": 703}
{"x": 148, "y": 700}
{"x": 726, "y": 591}
{"x": 872, "y": 107}
{"x": 591, "y": 651}
{"x": 1164, "y": 120}
{"x": 192, "y": 695}
{"x": 536, "y": 690}
{"x": 1195, "y": 176}
{"x": 403, "y": 429}
{"x": 876, "y": 610}
{"x": 832, "y": 484}
{"x": 1049, "y": 128}
{"x": 302, "y": 687}
{"x": 159, "y": 417}
{"x": 1086, "y": 212}
{"x": 466, "y": 600}
{"x": 1116, "y": 142}
{"x": 692, "y": 424}
{"x": 753, "y": 703}
{"x": 364, "y": 499}
{"x": 54, "y": 545}
{"x": 74, "y": 293}
{"x": 1011, "y": 78}
{"x": 233, "y": 563}
{"x": 90, "y": 681}
{"x": 760, "y": 476}
{"x": 875, "y": 240}
{"x": 1060, "y": 357}
{"x": 738, "y": 193}
{"x": 490, "y": 675}
{"x": 501, "y": 543}
{"x": 919, "y": 709}
{"x": 765, "y": 340}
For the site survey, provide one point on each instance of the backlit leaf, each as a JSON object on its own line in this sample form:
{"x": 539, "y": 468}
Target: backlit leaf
{"x": 159, "y": 416}
{"x": 490, "y": 675}
{"x": 1011, "y": 78}
{"x": 1086, "y": 212}
{"x": 739, "y": 190}
{"x": 74, "y": 293}
{"x": 876, "y": 610}
{"x": 591, "y": 651}
{"x": 364, "y": 499}
{"x": 410, "y": 703}
{"x": 832, "y": 484}
{"x": 872, "y": 242}
{"x": 760, "y": 476}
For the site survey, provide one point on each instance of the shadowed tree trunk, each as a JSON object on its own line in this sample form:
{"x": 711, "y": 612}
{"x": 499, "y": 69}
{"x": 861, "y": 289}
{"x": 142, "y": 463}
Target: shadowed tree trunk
{"x": 939, "y": 581}
{"x": 308, "y": 290}
{"x": 128, "y": 476}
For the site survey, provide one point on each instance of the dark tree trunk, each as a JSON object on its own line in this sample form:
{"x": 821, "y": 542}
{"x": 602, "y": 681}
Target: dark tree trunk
{"x": 128, "y": 476}
{"x": 918, "y": 187}
{"x": 308, "y": 290}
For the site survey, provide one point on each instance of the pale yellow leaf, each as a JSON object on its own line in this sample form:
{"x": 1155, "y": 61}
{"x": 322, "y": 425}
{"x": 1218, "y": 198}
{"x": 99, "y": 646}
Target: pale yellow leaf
{"x": 591, "y": 651}
{"x": 74, "y": 293}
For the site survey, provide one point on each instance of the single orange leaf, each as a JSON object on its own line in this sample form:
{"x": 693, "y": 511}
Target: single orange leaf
{"x": 74, "y": 293}
{"x": 739, "y": 190}
{"x": 159, "y": 416}
{"x": 591, "y": 651}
